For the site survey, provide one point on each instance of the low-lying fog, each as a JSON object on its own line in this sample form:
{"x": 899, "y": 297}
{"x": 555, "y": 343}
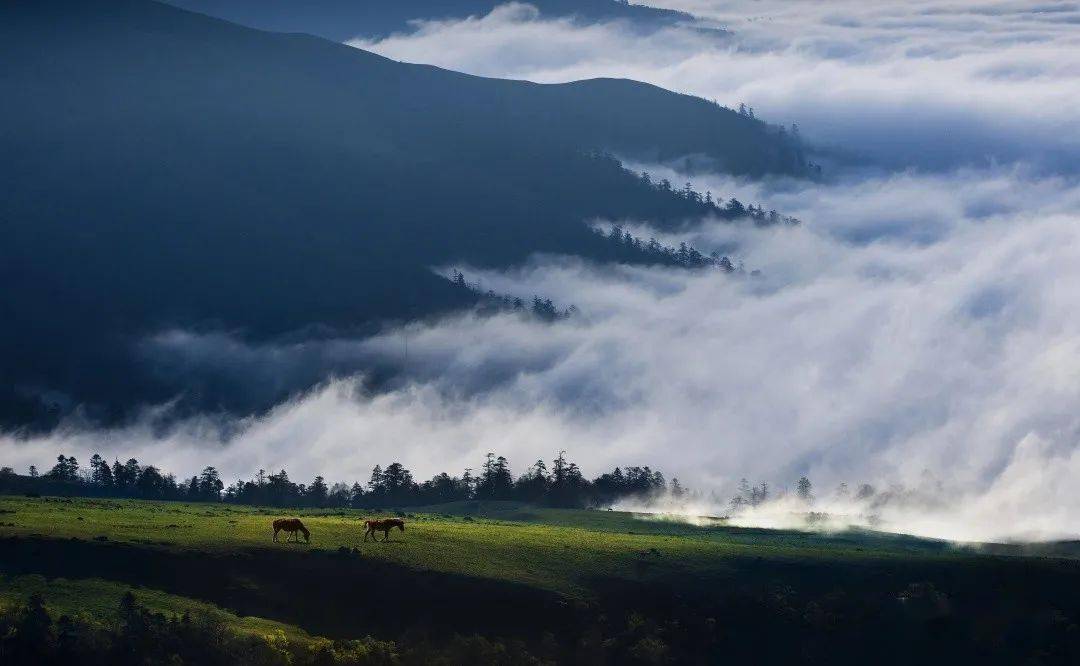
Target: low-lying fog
{"x": 914, "y": 330}
{"x": 919, "y": 332}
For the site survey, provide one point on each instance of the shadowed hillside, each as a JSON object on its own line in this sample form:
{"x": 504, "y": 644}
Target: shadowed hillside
{"x": 163, "y": 168}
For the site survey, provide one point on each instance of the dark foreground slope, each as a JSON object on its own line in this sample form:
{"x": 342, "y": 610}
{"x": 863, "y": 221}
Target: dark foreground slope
{"x": 340, "y": 20}
{"x": 163, "y": 168}
{"x": 589, "y": 587}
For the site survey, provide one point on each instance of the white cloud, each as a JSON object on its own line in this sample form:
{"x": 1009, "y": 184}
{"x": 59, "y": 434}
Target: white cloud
{"x": 917, "y": 325}
{"x": 950, "y": 347}
{"x": 932, "y": 83}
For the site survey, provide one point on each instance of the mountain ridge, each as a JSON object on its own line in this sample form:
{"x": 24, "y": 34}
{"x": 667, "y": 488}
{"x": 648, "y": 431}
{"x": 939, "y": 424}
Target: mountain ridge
{"x": 171, "y": 170}
{"x": 340, "y": 20}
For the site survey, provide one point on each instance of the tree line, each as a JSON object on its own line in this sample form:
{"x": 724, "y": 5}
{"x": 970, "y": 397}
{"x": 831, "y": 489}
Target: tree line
{"x": 732, "y": 209}
{"x": 623, "y": 243}
{"x": 543, "y": 309}
{"x": 685, "y": 255}
{"x": 747, "y": 495}
{"x": 792, "y": 137}
{"x": 751, "y": 496}
{"x": 560, "y": 485}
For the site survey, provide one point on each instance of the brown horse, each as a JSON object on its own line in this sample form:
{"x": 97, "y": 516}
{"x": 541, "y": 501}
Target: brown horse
{"x": 292, "y": 525}
{"x": 384, "y": 526}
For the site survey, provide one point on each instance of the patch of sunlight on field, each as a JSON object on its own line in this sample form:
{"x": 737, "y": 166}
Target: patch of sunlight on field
{"x": 549, "y": 548}
{"x": 99, "y": 601}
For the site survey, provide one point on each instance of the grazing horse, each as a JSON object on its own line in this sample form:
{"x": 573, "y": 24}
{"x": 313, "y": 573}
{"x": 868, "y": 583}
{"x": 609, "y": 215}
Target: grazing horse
{"x": 384, "y": 526}
{"x": 292, "y": 525}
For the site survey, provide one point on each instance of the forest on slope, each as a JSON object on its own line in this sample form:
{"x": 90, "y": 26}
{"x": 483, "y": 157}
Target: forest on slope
{"x": 166, "y": 169}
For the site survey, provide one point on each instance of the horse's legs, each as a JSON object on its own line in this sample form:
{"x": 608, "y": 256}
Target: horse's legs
{"x": 275, "y": 534}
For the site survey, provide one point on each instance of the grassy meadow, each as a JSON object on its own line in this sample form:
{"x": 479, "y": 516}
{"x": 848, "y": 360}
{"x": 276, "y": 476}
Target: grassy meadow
{"x": 555, "y": 549}
{"x": 507, "y": 570}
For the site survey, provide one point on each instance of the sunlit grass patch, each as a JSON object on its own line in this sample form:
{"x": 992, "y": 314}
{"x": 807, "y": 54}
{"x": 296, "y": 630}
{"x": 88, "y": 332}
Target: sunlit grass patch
{"x": 560, "y": 550}
{"x": 99, "y": 601}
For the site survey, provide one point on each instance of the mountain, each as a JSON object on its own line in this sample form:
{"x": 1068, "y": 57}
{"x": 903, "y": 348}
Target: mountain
{"x": 340, "y": 20}
{"x": 167, "y": 169}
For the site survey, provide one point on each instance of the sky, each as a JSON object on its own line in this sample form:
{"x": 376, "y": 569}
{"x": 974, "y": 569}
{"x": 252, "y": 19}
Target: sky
{"x": 918, "y": 330}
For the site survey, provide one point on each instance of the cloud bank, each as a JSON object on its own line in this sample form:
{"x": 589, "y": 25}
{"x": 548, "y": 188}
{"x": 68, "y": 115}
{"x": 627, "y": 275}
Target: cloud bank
{"x": 918, "y": 331}
{"x": 913, "y": 326}
{"x": 927, "y": 83}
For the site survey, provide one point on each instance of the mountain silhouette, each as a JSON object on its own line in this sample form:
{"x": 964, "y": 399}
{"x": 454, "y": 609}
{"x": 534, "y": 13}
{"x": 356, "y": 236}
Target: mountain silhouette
{"x": 166, "y": 169}
{"x": 340, "y": 20}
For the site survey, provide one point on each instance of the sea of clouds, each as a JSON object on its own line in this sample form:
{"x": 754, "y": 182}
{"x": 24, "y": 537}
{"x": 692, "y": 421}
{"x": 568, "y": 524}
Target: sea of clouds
{"x": 933, "y": 83}
{"x": 919, "y": 331}
{"x": 946, "y": 349}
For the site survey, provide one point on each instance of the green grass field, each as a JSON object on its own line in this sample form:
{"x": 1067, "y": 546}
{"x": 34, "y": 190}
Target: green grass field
{"x": 466, "y": 563}
{"x": 549, "y": 548}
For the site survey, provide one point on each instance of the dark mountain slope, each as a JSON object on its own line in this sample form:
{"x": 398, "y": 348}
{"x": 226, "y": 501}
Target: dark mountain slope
{"x": 162, "y": 168}
{"x": 340, "y": 20}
